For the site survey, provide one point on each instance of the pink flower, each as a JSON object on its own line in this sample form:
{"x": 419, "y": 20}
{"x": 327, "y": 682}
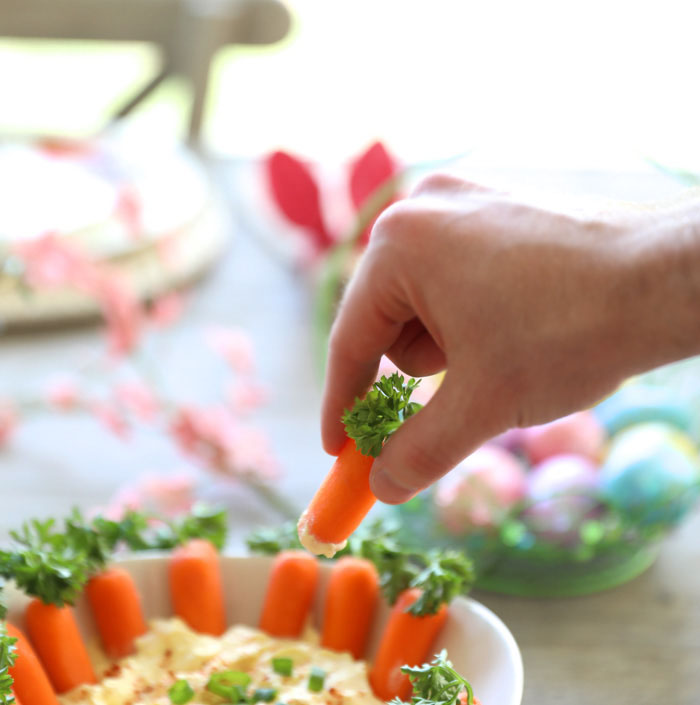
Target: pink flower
{"x": 51, "y": 262}
{"x": 214, "y": 438}
{"x": 166, "y": 310}
{"x": 246, "y": 396}
{"x": 128, "y": 210}
{"x": 122, "y": 313}
{"x": 137, "y": 398}
{"x": 111, "y": 418}
{"x": 62, "y": 393}
{"x": 233, "y": 345}
{"x": 169, "y": 494}
{"x": 8, "y": 422}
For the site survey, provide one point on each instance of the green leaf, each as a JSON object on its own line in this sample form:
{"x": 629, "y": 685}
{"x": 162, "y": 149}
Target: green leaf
{"x": 7, "y": 660}
{"x": 385, "y": 407}
{"x": 437, "y": 683}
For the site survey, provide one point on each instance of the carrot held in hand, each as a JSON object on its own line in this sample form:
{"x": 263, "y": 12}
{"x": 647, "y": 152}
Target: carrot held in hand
{"x": 351, "y": 599}
{"x": 340, "y": 504}
{"x": 116, "y": 607}
{"x": 196, "y": 588}
{"x": 344, "y": 497}
{"x": 407, "y": 639}
{"x": 31, "y": 684}
{"x": 54, "y": 634}
{"x": 290, "y": 592}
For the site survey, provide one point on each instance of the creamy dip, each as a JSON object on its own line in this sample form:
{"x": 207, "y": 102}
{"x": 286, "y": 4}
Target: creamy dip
{"x": 171, "y": 651}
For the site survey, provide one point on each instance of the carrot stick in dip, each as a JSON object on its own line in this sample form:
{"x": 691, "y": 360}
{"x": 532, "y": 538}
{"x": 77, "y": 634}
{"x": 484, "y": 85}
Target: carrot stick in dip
{"x": 344, "y": 497}
{"x": 340, "y": 504}
{"x": 407, "y": 639}
{"x": 196, "y": 589}
{"x": 55, "y": 636}
{"x": 351, "y": 599}
{"x": 290, "y": 592}
{"x": 31, "y": 683}
{"x": 116, "y": 607}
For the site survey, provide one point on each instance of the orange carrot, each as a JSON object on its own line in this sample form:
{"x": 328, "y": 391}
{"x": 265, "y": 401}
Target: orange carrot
{"x": 116, "y": 606}
{"x": 290, "y": 592}
{"x": 196, "y": 589}
{"x": 340, "y": 504}
{"x": 54, "y": 634}
{"x": 30, "y": 680}
{"x": 407, "y": 640}
{"x": 351, "y": 598}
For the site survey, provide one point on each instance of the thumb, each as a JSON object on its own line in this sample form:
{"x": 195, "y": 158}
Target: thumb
{"x": 429, "y": 444}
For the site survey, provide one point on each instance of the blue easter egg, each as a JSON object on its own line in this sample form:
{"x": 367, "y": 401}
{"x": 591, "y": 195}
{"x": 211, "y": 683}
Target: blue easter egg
{"x": 637, "y": 403}
{"x": 651, "y": 473}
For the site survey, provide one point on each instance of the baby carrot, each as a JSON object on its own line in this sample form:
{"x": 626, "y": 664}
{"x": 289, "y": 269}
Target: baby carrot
{"x": 116, "y": 607}
{"x": 54, "y": 634}
{"x": 352, "y": 594}
{"x": 407, "y": 640}
{"x": 31, "y": 683}
{"x": 290, "y": 592}
{"x": 339, "y": 505}
{"x": 196, "y": 589}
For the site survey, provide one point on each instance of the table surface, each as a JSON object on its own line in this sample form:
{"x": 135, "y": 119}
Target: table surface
{"x": 638, "y": 644}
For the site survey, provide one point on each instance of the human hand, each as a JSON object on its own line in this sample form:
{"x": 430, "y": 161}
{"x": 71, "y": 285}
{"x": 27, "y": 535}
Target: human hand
{"x": 533, "y": 313}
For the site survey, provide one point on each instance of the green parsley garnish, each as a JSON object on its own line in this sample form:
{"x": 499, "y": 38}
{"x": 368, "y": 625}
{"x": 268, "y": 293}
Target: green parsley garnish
{"x": 385, "y": 407}
{"x": 230, "y": 685}
{"x": 7, "y": 660}
{"x": 317, "y": 678}
{"x": 440, "y": 575}
{"x": 180, "y": 692}
{"x": 283, "y": 666}
{"x": 436, "y": 683}
{"x": 264, "y": 695}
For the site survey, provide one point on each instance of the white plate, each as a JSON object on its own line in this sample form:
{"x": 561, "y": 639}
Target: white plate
{"x": 478, "y": 643}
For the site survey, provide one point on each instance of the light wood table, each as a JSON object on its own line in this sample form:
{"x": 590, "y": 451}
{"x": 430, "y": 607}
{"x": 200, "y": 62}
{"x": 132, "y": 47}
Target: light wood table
{"x": 635, "y": 645}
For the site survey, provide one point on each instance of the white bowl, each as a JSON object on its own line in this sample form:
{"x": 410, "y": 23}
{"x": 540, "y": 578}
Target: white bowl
{"x": 477, "y": 642}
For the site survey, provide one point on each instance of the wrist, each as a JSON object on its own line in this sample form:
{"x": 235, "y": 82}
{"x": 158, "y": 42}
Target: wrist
{"x": 659, "y": 315}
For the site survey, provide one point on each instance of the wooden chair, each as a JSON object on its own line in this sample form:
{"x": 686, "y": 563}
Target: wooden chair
{"x": 187, "y": 32}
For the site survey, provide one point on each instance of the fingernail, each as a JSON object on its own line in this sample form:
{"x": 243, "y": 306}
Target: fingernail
{"x": 386, "y": 489}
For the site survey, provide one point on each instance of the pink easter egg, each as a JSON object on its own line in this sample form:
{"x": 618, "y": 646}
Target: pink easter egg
{"x": 481, "y": 490}
{"x": 579, "y": 434}
{"x": 561, "y": 493}
{"x": 511, "y": 440}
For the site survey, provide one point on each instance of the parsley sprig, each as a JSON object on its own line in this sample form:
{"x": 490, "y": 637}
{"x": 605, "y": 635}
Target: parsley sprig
{"x": 440, "y": 575}
{"x": 7, "y": 660}
{"x": 436, "y": 683}
{"x": 385, "y": 407}
{"x": 53, "y": 561}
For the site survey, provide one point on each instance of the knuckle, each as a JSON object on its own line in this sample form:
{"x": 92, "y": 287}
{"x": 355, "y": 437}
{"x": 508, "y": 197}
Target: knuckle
{"x": 436, "y": 182}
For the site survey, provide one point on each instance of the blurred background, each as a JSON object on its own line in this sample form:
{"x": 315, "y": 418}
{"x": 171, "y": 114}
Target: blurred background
{"x": 184, "y": 188}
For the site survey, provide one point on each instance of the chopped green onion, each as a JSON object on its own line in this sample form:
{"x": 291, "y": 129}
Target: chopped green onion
{"x": 316, "y": 679}
{"x": 180, "y": 692}
{"x": 265, "y": 695}
{"x": 283, "y": 666}
{"x": 230, "y": 685}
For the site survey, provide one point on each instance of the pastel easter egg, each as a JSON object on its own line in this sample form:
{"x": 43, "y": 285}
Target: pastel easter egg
{"x": 651, "y": 473}
{"x": 562, "y": 491}
{"x": 481, "y": 490}
{"x": 511, "y": 440}
{"x": 637, "y": 403}
{"x": 578, "y": 434}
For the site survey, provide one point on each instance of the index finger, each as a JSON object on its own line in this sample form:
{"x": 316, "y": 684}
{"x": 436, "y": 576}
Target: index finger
{"x": 370, "y": 319}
